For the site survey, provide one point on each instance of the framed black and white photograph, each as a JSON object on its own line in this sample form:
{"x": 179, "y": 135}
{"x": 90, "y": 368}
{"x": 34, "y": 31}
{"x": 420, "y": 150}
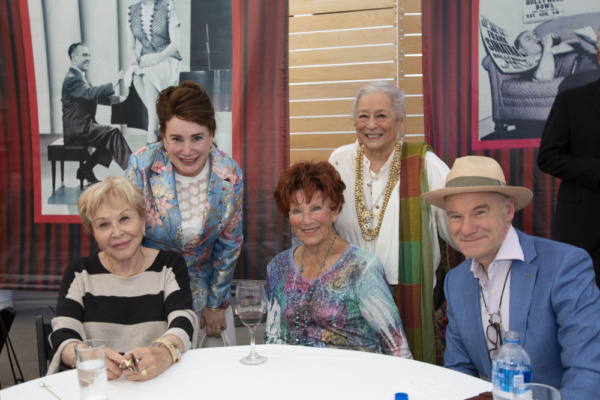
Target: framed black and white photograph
{"x": 528, "y": 52}
{"x": 84, "y": 123}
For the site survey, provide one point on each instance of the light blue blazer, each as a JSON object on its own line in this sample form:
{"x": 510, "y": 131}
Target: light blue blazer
{"x": 211, "y": 256}
{"x": 555, "y": 307}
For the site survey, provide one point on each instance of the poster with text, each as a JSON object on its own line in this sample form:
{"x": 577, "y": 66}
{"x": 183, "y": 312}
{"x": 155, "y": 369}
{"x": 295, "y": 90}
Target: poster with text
{"x": 529, "y": 50}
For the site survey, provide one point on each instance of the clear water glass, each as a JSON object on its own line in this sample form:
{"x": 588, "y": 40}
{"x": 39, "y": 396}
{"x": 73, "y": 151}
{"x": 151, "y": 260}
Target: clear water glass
{"x": 90, "y": 358}
{"x": 536, "y": 391}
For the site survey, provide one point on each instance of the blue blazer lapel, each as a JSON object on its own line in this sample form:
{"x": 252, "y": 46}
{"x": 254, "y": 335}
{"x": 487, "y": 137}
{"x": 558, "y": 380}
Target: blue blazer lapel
{"x": 219, "y": 187}
{"x": 473, "y": 307}
{"x": 163, "y": 186}
{"x": 213, "y": 196}
{"x": 522, "y": 282}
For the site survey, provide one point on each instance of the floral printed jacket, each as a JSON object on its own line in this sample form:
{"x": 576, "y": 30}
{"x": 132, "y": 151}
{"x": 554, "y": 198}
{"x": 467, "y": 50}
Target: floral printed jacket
{"x": 212, "y": 255}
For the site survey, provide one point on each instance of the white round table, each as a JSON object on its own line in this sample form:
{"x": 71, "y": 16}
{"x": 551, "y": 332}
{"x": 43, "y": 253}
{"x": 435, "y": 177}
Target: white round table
{"x": 292, "y": 372}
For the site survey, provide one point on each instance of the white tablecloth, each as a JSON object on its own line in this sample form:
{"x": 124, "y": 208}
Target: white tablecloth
{"x": 292, "y": 372}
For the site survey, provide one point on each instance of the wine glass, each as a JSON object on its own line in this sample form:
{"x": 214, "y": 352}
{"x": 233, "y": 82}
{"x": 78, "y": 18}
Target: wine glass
{"x": 250, "y": 306}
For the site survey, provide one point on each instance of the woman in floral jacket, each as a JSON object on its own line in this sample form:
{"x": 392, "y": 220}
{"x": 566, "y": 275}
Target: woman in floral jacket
{"x": 193, "y": 194}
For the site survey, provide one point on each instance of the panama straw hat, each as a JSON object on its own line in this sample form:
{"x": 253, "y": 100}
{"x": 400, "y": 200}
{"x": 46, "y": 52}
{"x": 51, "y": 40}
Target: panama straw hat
{"x": 474, "y": 174}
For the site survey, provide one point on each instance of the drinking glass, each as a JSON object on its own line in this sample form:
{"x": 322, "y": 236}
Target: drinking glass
{"x": 250, "y": 306}
{"x": 536, "y": 391}
{"x": 91, "y": 369}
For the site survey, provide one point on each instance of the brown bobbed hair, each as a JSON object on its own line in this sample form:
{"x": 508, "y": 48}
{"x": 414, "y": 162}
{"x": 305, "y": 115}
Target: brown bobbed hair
{"x": 114, "y": 190}
{"x": 311, "y": 178}
{"x": 188, "y": 101}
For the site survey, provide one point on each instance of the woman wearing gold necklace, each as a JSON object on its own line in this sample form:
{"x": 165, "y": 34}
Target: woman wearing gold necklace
{"x": 384, "y": 179}
{"x": 327, "y": 292}
{"x": 138, "y": 300}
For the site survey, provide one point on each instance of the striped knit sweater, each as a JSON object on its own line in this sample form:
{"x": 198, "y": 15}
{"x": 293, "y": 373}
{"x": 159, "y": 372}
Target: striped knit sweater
{"x": 125, "y": 312}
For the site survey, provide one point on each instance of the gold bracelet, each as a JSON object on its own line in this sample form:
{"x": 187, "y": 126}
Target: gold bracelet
{"x": 215, "y": 310}
{"x": 170, "y": 345}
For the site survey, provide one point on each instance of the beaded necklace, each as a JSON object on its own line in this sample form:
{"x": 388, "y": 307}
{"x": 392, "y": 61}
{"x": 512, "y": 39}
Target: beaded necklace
{"x": 308, "y": 295}
{"x": 365, "y": 216}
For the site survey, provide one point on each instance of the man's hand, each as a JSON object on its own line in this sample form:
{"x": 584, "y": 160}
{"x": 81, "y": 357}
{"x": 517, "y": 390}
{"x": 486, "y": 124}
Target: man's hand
{"x": 547, "y": 42}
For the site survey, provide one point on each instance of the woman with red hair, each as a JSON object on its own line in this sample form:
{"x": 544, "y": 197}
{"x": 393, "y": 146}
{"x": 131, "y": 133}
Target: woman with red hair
{"x": 327, "y": 292}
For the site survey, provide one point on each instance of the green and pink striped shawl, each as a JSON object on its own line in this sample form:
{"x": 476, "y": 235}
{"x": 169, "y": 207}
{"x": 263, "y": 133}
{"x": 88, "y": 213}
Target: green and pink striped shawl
{"x": 414, "y": 293}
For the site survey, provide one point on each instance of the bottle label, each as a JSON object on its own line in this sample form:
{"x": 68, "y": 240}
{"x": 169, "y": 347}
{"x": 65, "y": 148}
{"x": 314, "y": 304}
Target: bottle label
{"x": 506, "y": 375}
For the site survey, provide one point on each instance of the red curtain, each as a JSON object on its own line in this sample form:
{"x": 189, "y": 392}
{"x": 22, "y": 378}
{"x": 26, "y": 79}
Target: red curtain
{"x": 33, "y": 256}
{"x": 450, "y": 46}
{"x": 260, "y": 126}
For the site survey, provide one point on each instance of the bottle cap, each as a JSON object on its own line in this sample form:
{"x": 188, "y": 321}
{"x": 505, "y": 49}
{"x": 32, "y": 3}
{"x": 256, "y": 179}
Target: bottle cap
{"x": 512, "y": 337}
{"x": 401, "y": 396}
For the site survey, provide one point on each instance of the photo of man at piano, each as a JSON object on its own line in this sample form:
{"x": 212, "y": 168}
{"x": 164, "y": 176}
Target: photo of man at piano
{"x": 79, "y": 101}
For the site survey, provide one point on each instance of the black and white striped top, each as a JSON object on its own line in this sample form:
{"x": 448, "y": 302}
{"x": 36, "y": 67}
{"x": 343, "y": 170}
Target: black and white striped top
{"x": 124, "y": 312}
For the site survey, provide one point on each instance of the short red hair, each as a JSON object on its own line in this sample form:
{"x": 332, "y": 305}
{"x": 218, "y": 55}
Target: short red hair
{"x": 311, "y": 178}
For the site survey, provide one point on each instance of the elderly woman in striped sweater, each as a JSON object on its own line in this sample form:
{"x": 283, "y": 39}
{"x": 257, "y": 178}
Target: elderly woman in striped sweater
{"x": 138, "y": 300}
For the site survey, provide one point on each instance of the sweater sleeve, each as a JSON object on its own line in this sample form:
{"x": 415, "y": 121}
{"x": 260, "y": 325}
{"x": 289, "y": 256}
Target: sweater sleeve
{"x": 67, "y": 326}
{"x": 276, "y": 329}
{"x": 181, "y": 318}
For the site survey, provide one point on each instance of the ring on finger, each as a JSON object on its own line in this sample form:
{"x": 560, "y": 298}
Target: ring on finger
{"x": 144, "y": 373}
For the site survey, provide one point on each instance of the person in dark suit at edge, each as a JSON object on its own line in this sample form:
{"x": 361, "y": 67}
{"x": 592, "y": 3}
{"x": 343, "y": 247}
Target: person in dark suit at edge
{"x": 79, "y": 102}
{"x": 570, "y": 150}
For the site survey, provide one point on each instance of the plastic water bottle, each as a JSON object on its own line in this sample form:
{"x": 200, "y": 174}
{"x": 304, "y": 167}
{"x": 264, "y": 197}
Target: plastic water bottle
{"x": 510, "y": 367}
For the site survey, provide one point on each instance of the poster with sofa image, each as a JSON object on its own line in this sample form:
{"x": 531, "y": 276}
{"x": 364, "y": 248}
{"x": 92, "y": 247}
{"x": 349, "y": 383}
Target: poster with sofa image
{"x": 529, "y": 50}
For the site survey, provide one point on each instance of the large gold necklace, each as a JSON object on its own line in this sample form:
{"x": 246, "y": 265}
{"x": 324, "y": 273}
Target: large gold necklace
{"x": 364, "y": 215}
{"x": 130, "y": 275}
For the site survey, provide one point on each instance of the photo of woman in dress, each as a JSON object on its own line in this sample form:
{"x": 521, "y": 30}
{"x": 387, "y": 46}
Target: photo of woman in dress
{"x": 154, "y": 41}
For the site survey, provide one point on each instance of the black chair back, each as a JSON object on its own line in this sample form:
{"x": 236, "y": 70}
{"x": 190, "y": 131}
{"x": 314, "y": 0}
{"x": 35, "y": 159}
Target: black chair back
{"x": 43, "y": 331}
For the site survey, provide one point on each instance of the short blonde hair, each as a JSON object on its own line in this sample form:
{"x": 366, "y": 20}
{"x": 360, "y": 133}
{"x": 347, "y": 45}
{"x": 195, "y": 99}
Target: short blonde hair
{"x": 112, "y": 190}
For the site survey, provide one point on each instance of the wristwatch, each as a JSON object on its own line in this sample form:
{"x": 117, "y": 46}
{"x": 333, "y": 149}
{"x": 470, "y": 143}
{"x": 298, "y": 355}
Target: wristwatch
{"x": 169, "y": 344}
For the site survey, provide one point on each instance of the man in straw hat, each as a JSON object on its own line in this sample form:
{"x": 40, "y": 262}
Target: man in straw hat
{"x": 543, "y": 289}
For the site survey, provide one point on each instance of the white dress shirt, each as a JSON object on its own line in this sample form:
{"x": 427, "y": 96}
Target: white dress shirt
{"x": 493, "y": 284}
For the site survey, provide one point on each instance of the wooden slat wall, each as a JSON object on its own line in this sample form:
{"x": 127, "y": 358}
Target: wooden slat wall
{"x": 326, "y": 71}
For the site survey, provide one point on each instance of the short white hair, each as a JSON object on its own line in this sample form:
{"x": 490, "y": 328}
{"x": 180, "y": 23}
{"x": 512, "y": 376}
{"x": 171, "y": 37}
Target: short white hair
{"x": 396, "y": 96}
